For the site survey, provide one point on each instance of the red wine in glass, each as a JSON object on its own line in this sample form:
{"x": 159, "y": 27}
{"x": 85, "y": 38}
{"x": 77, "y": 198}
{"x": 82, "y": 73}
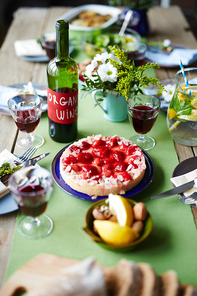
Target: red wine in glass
{"x": 143, "y": 119}
{"x": 31, "y": 187}
{"x": 143, "y": 111}
{"x": 26, "y": 110}
{"x": 35, "y": 207}
{"x": 26, "y": 124}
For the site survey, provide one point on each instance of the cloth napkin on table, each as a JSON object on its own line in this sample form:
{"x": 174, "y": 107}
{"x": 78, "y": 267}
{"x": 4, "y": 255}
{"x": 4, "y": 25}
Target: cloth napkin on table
{"x": 182, "y": 179}
{"x": 28, "y": 47}
{"x": 186, "y": 55}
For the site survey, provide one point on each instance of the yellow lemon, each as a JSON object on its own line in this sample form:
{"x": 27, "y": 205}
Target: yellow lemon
{"x": 171, "y": 113}
{"x": 192, "y": 117}
{"x": 194, "y": 103}
{"x": 120, "y": 207}
{"x": 181, "y": 97}
{"x": 112, "y": 233}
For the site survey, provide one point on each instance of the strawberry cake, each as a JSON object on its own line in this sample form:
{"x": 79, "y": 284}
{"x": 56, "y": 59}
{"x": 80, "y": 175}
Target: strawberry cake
{"x": 99, "y": 165}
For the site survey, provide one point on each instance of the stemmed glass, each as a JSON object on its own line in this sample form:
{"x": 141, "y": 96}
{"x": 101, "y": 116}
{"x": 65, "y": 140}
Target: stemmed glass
{"x": 31, "y": 188}
{"x": 26, "y": 110}
{"x": 143, "y": 111}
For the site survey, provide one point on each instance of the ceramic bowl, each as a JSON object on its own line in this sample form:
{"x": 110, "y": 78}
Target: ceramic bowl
{"x": 91, "y": 49}
{"x": 87, "y": 231}
{"x": 73, "y": 14}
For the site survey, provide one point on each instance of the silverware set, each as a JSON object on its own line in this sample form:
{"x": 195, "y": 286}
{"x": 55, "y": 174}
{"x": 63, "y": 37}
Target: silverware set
{"x": 26, "y": 155}
{"x": 24, "y": 160}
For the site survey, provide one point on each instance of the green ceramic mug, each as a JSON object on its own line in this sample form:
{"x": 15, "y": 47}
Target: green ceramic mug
{"x": 114, "y": 107}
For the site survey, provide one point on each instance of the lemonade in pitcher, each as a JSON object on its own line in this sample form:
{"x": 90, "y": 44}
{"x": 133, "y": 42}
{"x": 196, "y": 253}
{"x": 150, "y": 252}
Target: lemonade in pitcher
{"x": 182, "y": 111}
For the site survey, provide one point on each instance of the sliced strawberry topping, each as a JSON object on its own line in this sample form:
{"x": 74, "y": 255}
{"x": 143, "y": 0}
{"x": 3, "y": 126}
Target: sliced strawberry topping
{"x": 84, "y": 145}
{"x": 108, "y": 169}
{"x": 130, "y": 150}
{"x": 70, "y": 159}
{"x": 120, "y": 167}
{"x": 98, "y": 161}
{"x": 131, "y": 161}
{"x": 100, "y": 151}
{"x": 108, "y": 160}
{"x": 98, "y": 143}
{"x": 117, "y": 155}
{"x": 126, "y": 176}
{"x": 74, "y": 148}
{"x": 111, "y": 142}
{"x": 91, "y": 170}
{"x": 76, "y": 168}
{"x": 84, "y": 157}
{"x": 123, "y": 146}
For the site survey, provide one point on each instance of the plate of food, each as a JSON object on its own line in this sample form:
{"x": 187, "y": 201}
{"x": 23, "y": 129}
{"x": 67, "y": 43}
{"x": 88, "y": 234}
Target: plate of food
{"x": 91, "y": 17}
{"x": 168, "y": 55}
{"x": 164, "y": 96}
{"x": 6, "y": 92}
{"x": 98, "y": 41}
{"x": 114, "y": 166}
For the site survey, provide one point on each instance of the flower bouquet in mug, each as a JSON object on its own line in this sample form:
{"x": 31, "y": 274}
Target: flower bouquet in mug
{"x": 112, "y": 72}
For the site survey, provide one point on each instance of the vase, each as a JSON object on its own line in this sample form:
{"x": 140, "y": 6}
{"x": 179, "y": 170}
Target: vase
{"x": 114, "y": 106}
{"x": 183, "y": 128}
{"x": 143, "y": 26}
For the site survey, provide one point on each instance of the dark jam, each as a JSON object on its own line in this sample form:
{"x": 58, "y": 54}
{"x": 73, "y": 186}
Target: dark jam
{"x": 143, "y": 118}
{"x": 35, "y": 205}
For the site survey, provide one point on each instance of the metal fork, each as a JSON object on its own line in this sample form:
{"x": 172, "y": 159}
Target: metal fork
{"x": 27, "y": 154}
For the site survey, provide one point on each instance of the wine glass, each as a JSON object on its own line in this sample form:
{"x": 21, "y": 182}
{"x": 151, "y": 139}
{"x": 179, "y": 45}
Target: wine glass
{"x": 31, "y": 188}
{"x": 143, "y": 111}
{"x": 26, "y": 110}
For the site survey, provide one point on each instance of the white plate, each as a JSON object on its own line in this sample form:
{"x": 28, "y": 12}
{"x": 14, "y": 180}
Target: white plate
{"x": 41, "y": 58}
{"x": 7, "y": 204}
{"x": 152, "y": 91}
{"x": 38, "y": 86}
{"x": 101, "y": 9}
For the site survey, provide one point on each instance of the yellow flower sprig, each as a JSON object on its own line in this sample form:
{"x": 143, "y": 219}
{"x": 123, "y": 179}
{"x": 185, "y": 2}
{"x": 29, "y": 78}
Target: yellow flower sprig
{"x": 132, "y": 79}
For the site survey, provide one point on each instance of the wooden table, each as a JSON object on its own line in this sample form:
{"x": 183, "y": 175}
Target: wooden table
{"x": 33, "y": 22}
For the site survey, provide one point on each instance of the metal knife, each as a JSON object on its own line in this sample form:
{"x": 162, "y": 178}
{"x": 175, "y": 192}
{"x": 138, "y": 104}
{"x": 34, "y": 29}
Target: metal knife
{"x": 34, "y": 160}
{"x": 4, "y": 179}
{"x": 176, "y": 190}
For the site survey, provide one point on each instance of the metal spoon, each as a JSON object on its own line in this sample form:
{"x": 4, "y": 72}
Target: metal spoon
{"x": 126, "y": 22}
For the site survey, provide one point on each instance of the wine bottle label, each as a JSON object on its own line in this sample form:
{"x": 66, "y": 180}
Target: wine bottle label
{"x": 62, "y": 107}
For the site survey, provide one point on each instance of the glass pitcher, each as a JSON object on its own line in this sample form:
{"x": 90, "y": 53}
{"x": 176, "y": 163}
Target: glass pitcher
{"x": 182, "y": 111}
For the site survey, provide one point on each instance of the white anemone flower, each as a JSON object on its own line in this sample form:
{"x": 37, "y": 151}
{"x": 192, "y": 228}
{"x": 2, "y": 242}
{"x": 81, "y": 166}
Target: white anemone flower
{"x": 102, "y": 57}
{"x": 107, "y": 72}
{"x": 90, "y": 68}
{"x": 168, "y": 94}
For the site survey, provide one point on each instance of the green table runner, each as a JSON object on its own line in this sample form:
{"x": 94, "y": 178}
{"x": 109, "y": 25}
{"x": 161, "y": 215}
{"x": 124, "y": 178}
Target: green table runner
{"x": 172, "y": 242}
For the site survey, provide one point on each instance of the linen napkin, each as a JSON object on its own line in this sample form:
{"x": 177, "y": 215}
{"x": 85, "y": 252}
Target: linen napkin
{"x": 28, "y": 47}
{"x": 182, "y": 179}
{"x": 186, "y": 55}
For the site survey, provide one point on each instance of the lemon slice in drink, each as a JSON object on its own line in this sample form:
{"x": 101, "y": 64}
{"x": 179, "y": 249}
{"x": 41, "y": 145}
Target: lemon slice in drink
{"x": 120, "y": 207}
{"x": 194, "y": 103}
{"x": 192, "y": 117}
{"x": 112, "y": 233}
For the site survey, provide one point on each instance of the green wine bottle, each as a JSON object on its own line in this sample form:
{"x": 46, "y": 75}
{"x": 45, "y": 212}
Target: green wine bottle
{"x": 62, "y": 90}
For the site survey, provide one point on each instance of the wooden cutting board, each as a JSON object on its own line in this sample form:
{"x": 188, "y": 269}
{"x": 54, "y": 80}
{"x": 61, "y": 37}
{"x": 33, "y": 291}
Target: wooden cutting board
{"x": 33, "y": 273}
